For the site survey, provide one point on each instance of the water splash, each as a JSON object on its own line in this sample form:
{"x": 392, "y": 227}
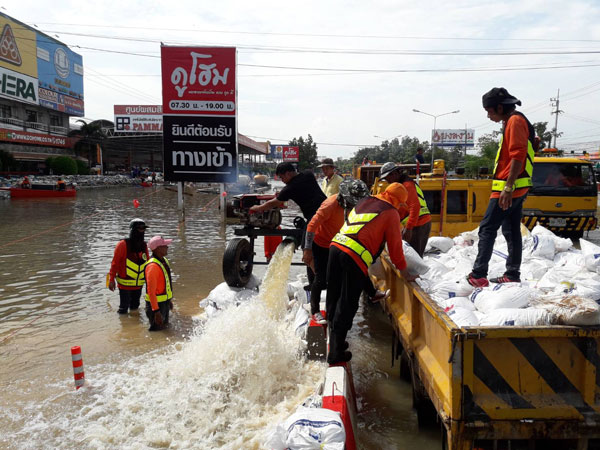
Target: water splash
{"x": 273, "y": 287}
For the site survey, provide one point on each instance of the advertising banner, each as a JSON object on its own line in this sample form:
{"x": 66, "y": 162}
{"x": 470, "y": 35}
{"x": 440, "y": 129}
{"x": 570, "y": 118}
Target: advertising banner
{"x": 17, "y": 47}
{"x": 60, "y": 76}
{"x": 138, "y": 118}
{"x": 291, "y": 154}
{"x": 452, "y": 138}
{"x": 24, "y": 137}
{"x": 199, "y": 107}
{"x": 19, "y": 87}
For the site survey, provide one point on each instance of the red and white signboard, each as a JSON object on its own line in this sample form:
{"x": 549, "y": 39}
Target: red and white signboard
{"x": 138, "y": 119}
{"x": 291, "y": 154}
{"x": 24, "y": 137}
{"x": 199, "y": 113}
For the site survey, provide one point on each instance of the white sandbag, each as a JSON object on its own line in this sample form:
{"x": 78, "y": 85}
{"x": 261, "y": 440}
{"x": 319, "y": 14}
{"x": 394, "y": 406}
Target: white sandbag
{"x": 571, "y": 309}
{"x": 462, "y": 317}
{"x": 223, "y": 296}
{"x": 539, "y": 230}
{"x": 441, "y": 243}
{"x": 527, "y": 317}
{"x": 451, "y": 289}
{"x": 507, "y": 295}
{"x": 543, "y": 246}
{"x": 458, "y": 302}
{"x": 591, "y": 253}
{"x": 301, "y": 322}
{"x": 315, "y": 428}
{"x": 414, "y": 263}
{"x": 533, "y": 269}
{"x": 587, "y": 287}
{"x": 562, "y": 244}
{"x": 436, "y": 269}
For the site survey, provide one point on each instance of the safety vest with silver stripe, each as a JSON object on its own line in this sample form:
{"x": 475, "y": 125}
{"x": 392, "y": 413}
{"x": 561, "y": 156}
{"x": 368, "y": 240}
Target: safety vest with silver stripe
{"x": 168, "y": 294}
{"x": 135, "y": 273}
{"x": 352, "y": 226}
{"x": 424, "y": 209}
{"x": 524, "y": 179}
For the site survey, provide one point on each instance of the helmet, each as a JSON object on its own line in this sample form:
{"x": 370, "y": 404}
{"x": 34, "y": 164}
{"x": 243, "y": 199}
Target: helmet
{"x": 137, "y": 223}
{"x": 351, "y": 192}
{"x": 386, "y": 169}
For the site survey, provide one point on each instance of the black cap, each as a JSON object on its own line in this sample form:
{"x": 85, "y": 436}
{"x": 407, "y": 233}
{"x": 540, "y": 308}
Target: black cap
{"x": 284, "y": 167}
{"x": 499, "y": 96}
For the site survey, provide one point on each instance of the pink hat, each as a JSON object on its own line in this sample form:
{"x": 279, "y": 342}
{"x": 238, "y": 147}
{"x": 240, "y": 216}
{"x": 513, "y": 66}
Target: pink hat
{"x": 158, "y": 241}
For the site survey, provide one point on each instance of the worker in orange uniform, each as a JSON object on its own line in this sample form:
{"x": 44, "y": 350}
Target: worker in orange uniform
{"x": 323, "y": 226}
{"x": 60, "y": 184}
{"x": 374, "y": 222}
{"x": 159, "y": 284}
{"x": 513, "y": 170}
{"x": 127, "y": 267}
{"x": 417, "y": 219}
{"x": 26, "y": 184}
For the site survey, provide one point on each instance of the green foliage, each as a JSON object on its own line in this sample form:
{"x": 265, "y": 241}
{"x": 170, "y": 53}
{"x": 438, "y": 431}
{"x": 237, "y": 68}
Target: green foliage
{"x": 90, "y": 134}
{"x": 544, "y": 135}
{"x": 63, "y": 165}
{"x": 7, "y": 161}
{"x": 308, "y": 152}
{"x": 82, "y": 168}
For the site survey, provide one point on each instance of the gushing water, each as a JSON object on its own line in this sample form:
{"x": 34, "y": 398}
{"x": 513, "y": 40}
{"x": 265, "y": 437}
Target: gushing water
{"x": 237, "y": 376}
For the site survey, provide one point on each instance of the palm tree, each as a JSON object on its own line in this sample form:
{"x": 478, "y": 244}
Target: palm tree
{"x": 90, "y": 135}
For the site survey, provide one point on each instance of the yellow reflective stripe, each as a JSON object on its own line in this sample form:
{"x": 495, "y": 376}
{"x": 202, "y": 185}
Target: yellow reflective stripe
{"x": 424, "y": 209}
{"x": 522, "y": 182}
{"x": 159, "y": 298}
{"x": 168, "y": 295}
{"x": 351, "y": 229}
{"x": 353, "y": 245}
{"x": 353, "y": 217}
{"x": 126, "y": 281}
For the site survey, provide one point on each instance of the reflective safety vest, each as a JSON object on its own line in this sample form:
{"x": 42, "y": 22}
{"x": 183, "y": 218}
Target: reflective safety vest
{"x": 353, "y": 225}
{"x": 524, "y": 179}
{"x": 424, "y": 209}
{"x": 168, "y": 294}
{"x": 134, "y": 272}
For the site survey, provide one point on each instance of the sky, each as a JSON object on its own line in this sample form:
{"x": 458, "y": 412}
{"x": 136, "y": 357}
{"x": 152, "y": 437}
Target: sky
{"x": 349, "y": 73}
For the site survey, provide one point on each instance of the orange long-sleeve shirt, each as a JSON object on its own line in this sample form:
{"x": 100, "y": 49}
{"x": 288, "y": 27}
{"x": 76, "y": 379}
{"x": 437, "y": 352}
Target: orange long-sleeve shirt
{"x": 414, "y": 208}
{"x": 327, "y": 221}
{"x": 118, "y": 265}
{"x": 385, "y": 228}
{"x": 514, "y": 146}
{"x": 155, "y": 283}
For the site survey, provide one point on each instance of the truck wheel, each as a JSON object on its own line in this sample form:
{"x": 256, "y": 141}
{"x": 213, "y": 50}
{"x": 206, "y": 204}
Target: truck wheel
{"x": 237, "y": 262}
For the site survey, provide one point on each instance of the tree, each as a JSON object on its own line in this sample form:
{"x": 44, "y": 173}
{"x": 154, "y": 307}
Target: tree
{"x": 91, "y": 134}
{"x": 308, "y": 152}
{"x": 7, "y": 161}
{"x": 544, "y": 135}
{"x": 62, "y": 165}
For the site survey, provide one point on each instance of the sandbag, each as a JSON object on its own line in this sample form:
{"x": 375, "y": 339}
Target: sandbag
{"x": 571, "y": 309}
{"x": 451, "y": 289}
{"x": 507, "y": 295}
{"x": 314, "y": 428}
{"x": 441, "y": 243}
{"x": 414, "y": 263}
{"x": 591, "y": 253}
{"x": 527, "y": 317}
{"x": 458, "y": 302}
{"x": 543, "y": 246}
{"x": 436, "y": 269}
{"x": 462, "y": 317}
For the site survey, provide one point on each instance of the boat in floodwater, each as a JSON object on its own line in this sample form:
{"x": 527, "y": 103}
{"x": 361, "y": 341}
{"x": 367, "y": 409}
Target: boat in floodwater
{"x": 40, "y": 191}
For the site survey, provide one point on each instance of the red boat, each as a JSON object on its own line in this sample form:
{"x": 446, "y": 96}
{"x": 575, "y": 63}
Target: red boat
{"x": 146, "y": 184}
{"x": 46, "y": 191}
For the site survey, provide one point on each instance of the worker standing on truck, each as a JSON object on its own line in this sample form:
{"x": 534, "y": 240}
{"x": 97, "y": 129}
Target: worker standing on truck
{"x": 324, "y": 225}
{"x": 331, "y": 183}
{"x": 417, "y": 220}
{"x": 374, "y": 222}
{"x": 304, "y": 190}
{"x": 127, "y": 267}
{"x": 511, "y": 182}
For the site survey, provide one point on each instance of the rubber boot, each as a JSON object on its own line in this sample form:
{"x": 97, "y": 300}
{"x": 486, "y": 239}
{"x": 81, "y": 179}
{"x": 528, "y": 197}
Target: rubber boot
{"x": 337, "y": 354}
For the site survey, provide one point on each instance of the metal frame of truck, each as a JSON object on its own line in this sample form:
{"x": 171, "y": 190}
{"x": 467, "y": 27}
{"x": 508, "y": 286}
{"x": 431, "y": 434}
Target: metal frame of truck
{"x": 496, "y": 383}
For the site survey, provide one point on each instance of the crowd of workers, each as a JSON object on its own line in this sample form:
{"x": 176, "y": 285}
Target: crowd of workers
{"x": 346, "y": 230}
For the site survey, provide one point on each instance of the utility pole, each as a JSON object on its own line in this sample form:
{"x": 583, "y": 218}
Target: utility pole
{"x": 555, "y": 103}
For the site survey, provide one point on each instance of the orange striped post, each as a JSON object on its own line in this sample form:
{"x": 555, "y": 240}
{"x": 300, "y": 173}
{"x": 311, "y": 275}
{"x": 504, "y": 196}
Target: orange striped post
{"x": 77, "y": 366}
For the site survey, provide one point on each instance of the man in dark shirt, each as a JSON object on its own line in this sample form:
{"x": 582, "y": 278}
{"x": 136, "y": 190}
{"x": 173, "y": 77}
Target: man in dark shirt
{"x": 304, "y": 190}
{"x": 419, "y": 156}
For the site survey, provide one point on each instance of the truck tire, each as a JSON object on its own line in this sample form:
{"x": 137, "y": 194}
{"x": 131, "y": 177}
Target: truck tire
{"x": 237, "y": 262}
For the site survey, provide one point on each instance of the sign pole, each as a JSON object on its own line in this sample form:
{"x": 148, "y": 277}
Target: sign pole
{"x": 222, "y": 201}
{"x": 180, "y": 205}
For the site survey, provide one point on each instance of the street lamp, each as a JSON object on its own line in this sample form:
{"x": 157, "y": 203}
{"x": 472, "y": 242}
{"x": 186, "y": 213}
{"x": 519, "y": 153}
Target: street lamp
{"x": 435, "y": 116}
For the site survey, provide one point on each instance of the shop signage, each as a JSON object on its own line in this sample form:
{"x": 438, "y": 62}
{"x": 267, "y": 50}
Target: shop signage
{"x": 24, "y": 137}
{"x": 138, "y": 119}
{"x": 16, "y": 86}
{"x": 452, "y": 138}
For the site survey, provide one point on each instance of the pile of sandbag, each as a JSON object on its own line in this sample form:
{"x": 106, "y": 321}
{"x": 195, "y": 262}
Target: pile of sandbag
{"x": 559, "y": 283}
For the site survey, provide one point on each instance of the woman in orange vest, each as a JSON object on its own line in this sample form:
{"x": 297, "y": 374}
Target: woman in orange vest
{"x": 159, "y": 291}
{"x": 127, "y": 267}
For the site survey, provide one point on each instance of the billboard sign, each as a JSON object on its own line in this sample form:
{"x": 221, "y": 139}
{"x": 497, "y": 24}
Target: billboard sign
{"x": 199, "y": 113}
{"x": 60, "y": 76}
{"x": 452, "y": 138}
{"x": 24, "y": 137}
{"x": 18, "y": 47}
{"x": 138, "y": 119}
{"x": 291, "y": 154}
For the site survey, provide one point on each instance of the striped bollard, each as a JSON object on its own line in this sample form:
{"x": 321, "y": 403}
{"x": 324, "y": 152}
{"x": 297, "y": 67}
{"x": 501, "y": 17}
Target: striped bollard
{"x": 77, "y": 366}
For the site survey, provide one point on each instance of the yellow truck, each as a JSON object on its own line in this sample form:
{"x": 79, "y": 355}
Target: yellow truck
{"x": 563, "y": 198}
{"x": 496, "y": 387}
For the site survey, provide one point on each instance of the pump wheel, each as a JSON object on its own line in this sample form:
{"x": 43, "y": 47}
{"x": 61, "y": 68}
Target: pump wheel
{"x": 237, "y": 262}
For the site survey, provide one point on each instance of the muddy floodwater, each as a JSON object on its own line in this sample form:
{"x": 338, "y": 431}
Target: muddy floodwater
{"x": 215, "y": 384}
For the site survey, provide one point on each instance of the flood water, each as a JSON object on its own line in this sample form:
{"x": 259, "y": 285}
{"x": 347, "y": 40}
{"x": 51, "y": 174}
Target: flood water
{"x": 215, "y": 384}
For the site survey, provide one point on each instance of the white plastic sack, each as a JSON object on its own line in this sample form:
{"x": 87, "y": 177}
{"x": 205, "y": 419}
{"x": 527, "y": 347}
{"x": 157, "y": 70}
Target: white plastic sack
{"x": 451, "y": 289}
{"x": 414, "y": 263}
{"x": 543, "y": 246}
{"x": 591, "y": 253}
{"x": 301, "y": 322}
{"x": 507, "y": 295}
{"x": 436, "y": 269}
{"x": 528, "y": 317}
{"x": 314, "y": 428}
{"x": 571, "y": 309}
{"x": 441, "y": 243}
{"x": 462, "y": 317}
{"x": 458, "y": 302}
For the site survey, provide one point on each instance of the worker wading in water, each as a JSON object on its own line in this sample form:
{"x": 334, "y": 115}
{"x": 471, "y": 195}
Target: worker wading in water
{"x": 159, "y": 284}
{"x": 127, "y": 267}
{"x": 374, "y": 222}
